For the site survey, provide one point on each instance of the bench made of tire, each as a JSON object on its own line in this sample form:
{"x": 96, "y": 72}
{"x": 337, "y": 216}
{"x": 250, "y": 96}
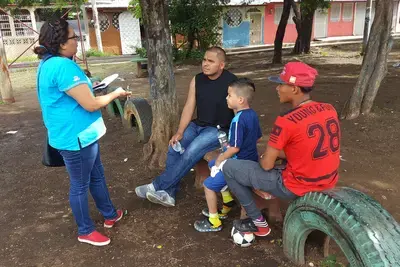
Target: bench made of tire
{"x": 366, "y": 233}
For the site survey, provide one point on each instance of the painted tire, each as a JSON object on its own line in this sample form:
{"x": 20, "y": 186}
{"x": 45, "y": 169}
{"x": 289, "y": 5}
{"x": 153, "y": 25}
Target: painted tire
{"x": 116, "y": 107}
{"x": 95, "y": 79}
{"x": 366, "y": 233}
{"x": 138, "y": 116}
{"x": 112, "y": 110}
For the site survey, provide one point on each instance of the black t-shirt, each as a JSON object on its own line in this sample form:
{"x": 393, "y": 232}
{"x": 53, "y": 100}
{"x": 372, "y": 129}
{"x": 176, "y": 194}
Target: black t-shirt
{"x": 212, "y": 108}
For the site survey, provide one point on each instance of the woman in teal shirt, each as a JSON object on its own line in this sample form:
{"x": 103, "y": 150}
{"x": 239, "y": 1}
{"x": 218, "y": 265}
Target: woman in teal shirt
{"x": 72, "y": 116}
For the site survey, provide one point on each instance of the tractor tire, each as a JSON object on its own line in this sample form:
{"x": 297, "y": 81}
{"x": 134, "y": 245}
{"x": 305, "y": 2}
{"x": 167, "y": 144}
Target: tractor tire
{"x": 115, "y": 108}
{"x": 138, "y": 116}
{"x": 95, "y": 79}
{"x": 366, "y": 233}
{"x": 112, "y": 110}
{"x": 120, "y": 103}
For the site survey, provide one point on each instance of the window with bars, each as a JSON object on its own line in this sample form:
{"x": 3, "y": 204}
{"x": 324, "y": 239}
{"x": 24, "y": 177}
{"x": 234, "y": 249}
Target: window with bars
{"x": 22, "y": 22}
{"x": 347, "y": 12}
{"x": 233, "y": 17}
{"x": 5, "y": 26}
{"x": 104, "y": 22}
{"x": 335, "y": 12}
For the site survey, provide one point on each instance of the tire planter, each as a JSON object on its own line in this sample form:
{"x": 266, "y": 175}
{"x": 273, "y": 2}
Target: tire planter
{"x": 138, "y": 116}
{"x": 366, "y": 233}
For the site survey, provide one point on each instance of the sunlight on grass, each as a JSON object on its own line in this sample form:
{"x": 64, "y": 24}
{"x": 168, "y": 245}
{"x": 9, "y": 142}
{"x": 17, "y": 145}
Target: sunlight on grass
{"x": 32, "y": 58}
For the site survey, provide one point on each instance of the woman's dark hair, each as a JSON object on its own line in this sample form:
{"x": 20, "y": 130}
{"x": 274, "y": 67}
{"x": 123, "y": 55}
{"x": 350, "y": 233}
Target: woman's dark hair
{"x": 306, "y": 90}
{"x": 52, "y": 34}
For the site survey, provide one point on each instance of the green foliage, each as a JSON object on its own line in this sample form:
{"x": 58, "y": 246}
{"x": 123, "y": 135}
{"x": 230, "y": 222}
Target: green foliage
{"x": 26, "y": 3}
{"x": 32, "y": 58}
{"x": 331, "y": 261}
{"x": 196, "y": 20}
{"x": 95, "y": 53}
{"x": 309, "y": 6}
{"x": 141, "y": 51}
{"x": 180, "y": 55}
{"x": 134, "y": 7}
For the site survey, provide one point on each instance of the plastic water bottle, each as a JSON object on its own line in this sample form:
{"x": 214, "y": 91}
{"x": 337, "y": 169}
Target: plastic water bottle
{"x": 223, "y": 139}
{"x": 178, "y": 147}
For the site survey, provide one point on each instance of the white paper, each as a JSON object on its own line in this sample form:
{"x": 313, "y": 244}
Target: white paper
{"x": 106, "y": 82}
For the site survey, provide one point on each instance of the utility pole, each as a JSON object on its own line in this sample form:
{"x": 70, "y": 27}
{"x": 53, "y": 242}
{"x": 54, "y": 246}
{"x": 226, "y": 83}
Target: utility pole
{"x": 97, "y": 26}
{"x": 6, "y": 91}
{"x": 367, "y": 25}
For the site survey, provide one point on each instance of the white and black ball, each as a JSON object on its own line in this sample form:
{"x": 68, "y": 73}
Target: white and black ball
{"x": 241, "y": 239}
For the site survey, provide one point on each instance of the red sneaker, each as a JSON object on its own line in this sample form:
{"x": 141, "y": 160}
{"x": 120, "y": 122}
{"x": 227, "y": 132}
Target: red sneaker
{"x": 110, "y": 223}
{"x": 248, "y": 226}
{"x": 95, "y": 239}
{"x": 263, "y": 231}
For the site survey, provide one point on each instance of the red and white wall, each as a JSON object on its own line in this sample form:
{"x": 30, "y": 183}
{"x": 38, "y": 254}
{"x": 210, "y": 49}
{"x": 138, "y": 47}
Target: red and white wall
{"x": 343, "y": 18}
{"x": 273, "y": 13}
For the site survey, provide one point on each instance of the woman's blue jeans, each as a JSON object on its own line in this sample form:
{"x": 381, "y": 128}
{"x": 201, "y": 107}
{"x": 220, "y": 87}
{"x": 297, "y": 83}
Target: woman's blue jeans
{"x": 87, "y": 172}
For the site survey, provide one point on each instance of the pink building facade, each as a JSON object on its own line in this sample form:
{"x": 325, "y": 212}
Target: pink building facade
{"x": 256, "y": 24}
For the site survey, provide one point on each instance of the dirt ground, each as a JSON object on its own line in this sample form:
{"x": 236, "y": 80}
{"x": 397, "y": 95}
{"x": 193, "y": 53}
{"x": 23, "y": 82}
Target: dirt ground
{"x": 38, "y": 228}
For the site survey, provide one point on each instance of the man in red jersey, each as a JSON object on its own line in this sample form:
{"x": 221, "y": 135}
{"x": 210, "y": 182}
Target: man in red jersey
{"x": 307, "y": 136}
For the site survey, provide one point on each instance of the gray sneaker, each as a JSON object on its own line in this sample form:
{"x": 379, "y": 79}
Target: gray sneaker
{"x": 161, "y": 197}
{"x": 143, "y": 189}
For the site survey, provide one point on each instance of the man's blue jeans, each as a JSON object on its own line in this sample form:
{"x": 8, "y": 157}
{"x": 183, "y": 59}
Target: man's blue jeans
{"x": 196, "y": 141}
{"x": 86, "y": 172}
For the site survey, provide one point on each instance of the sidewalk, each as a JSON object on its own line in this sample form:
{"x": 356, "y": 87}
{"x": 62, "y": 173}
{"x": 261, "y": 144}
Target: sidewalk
{"x": 329, "y": 41}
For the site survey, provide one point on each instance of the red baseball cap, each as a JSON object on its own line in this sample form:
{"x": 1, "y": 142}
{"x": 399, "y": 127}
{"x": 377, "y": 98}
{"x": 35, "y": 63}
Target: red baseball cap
{"x": 296, "y": 73}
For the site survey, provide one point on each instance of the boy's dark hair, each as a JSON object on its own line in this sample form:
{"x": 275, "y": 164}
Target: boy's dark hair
{"x": 52, "y": 34}
{"x": 306, "y": 90}
{"x": 245, "y": 88}
{"x": 220, "y": 52}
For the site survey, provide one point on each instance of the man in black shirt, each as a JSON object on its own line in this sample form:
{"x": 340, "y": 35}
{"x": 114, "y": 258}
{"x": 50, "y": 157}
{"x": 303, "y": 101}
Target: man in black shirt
{"x": 207, "y": 93}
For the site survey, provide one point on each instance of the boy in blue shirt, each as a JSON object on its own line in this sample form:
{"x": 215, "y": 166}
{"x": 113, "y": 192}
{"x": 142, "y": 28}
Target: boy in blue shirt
{"x": 244, "y": 134}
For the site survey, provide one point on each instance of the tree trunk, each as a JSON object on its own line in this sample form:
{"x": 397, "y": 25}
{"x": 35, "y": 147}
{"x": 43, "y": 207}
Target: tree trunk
{"x": 191, "y": 38}
{"x": 6, "y": 91}
{"x": 162, "y": 80}
{"x": 95, "y": 16}
{"x": 374, "y": 66}
{"x": 280, "y": 32}
{"x": 304, "y": 31}
{"x": 367, "y": 24}
{"x": 297, "y": 22}
{"x": 306, "y": 27}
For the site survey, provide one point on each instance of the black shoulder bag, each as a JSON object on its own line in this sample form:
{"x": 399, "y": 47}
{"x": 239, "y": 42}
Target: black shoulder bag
{"x": 51, "y": 156}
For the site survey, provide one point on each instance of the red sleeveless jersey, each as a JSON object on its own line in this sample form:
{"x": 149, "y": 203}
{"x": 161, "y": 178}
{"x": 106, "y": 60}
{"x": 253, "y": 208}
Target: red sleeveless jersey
{"x": 310, "y": 137}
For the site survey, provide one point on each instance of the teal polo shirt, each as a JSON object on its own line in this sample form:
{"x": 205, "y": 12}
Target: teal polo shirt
{"x": 69, "y": 125}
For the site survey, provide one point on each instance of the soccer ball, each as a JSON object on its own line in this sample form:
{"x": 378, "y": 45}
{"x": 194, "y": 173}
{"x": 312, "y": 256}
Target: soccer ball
{"x": 241, "y": 239}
